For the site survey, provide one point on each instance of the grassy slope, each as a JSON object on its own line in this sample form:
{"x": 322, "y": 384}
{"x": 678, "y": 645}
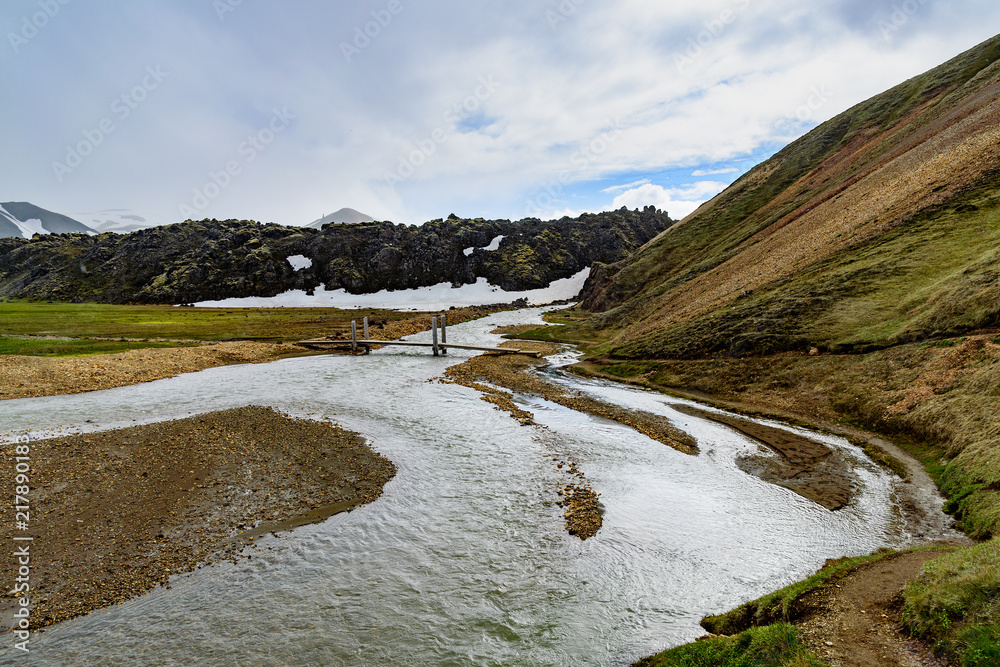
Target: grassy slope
{"x": 935, "y": 276}
{"x": 674, "y": 295}
{"x": 955, "y": 602}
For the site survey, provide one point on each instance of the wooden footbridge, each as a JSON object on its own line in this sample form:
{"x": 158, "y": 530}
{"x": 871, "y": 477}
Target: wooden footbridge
{"x": 364, "y": 344}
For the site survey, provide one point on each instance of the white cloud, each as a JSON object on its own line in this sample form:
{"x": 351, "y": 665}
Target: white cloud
{"x": 714, "y": 172}
{"x": 628, "y": 186}
{"x": 564, "y": 213}
{"x": 608, "y": 66}
{"x": 678, "y": 202}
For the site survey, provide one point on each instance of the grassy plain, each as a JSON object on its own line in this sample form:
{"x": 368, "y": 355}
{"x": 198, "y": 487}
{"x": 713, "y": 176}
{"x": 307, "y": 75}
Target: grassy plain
{"x": 58, "y": 329}
{"x": 94, "y": 320}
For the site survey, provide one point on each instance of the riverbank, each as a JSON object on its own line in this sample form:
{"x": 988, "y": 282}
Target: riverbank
{"x": 116, "y": 513}
{"x": 926, "y": 409}
{"x": 31, "y": 377}
{"x": 920, "y": 499}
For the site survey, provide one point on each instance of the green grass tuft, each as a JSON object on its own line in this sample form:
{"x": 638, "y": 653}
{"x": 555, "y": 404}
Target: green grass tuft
{"x": 980, "y": 646}
{"x": 631, "y": 369}
{"x": 49, "y": 347}
{"x": 772, "y": 646}
{"x": 955, "y": 603}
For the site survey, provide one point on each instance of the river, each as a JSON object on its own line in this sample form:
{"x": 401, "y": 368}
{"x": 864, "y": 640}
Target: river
{"x": 464, "y": 560}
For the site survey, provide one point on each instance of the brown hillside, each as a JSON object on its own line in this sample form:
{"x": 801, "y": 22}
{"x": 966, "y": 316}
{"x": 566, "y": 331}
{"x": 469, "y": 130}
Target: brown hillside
{"x": 851, "y": 183}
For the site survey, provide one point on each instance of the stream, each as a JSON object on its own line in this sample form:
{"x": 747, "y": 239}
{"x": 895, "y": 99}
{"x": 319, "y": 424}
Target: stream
{"x": 464, "y": 559}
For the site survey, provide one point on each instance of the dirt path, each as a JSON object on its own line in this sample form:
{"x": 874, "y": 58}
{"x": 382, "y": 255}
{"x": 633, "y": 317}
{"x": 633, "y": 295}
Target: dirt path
{"x": 855, "y": 622}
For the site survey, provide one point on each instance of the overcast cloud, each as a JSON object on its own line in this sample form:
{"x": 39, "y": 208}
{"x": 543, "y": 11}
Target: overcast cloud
{"x": 410, "y": 110}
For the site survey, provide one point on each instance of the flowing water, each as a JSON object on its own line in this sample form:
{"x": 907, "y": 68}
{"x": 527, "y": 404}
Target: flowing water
{"x": 464, "y": 560}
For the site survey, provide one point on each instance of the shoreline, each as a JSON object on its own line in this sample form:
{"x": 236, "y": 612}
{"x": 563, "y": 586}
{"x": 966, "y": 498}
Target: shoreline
{"x": 920, "y": 499}
{"x": 126, "y": 509}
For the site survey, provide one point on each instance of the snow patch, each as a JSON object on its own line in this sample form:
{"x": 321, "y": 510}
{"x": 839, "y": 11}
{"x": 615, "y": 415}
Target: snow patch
{"x": 436, "y": 297}
{"x": 494, "y": 245}
{"x": 31, "y": 227}
{"x": 28, "y": 228}
{"x": 300, "y": 262}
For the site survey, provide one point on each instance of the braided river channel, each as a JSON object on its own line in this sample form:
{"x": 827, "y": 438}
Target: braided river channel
{"x": 464, "y": 559}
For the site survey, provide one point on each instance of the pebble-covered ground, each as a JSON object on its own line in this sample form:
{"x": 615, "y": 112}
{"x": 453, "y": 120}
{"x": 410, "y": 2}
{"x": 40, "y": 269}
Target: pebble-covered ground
{"x": 116, "y": 513}
{"x": 29, "y": 377}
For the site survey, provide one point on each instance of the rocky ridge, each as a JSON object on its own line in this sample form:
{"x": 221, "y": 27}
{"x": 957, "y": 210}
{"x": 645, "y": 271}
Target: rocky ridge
{"x": 212, "y": 260}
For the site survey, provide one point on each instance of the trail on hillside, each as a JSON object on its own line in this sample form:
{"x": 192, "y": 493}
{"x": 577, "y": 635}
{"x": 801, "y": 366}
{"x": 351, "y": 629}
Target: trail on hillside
{"x": 855, "y": 622}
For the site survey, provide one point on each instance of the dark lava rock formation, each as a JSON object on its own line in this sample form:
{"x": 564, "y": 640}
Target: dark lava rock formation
{"x": 211, "y": 259}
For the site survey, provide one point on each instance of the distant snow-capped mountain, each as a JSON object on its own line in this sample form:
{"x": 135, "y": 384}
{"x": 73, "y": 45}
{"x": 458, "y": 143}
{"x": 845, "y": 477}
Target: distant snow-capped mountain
{"x": 117, "y": 220}
{"x": 23, "y": 220}
{"x": 345, "y": 216}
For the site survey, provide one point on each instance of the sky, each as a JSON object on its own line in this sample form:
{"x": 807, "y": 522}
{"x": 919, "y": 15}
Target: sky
{"x": 411, "y": 110}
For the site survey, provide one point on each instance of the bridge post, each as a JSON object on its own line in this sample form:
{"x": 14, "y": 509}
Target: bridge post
{"x": 354, "y": 336}
{"x": 434, "y": 335}
{"x": 444, "y": 334}
{"x": 368, "y": 348}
